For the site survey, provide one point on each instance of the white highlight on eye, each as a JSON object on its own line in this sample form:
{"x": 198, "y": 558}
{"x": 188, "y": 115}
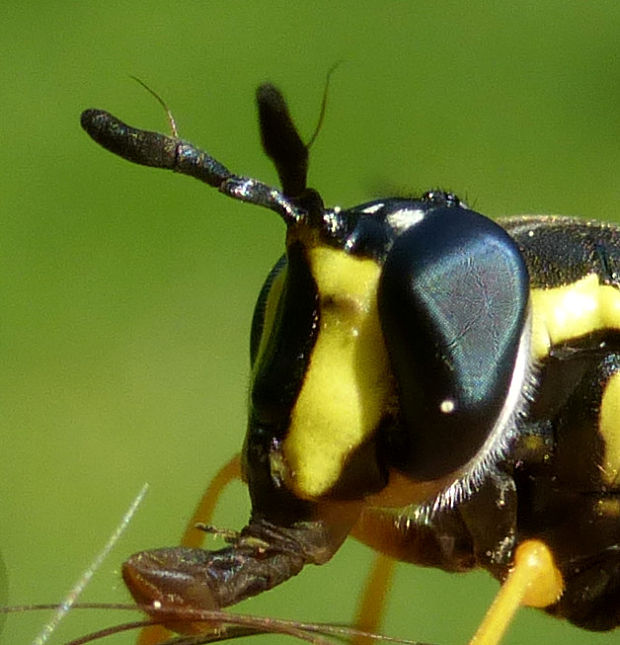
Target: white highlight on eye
{"x": 472, "y": 476}
{"x": 404, "y": 218}
{"x": 447, "y": 406}
{"x": 370, "y": 210}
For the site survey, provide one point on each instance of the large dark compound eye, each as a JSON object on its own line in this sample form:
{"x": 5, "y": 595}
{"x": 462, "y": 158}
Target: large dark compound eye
{"x": 266, "y": 305}
{"x": 453, "y": 300}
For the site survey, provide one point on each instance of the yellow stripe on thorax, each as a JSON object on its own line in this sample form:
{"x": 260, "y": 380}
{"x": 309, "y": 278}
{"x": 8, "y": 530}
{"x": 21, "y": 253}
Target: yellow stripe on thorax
{"x": 347, "y": 383}
{"x": 609, "y": 429}
{"x": 571, "y": 311}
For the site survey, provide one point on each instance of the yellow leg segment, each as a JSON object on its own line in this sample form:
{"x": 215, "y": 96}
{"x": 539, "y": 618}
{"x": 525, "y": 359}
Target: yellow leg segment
{"x": 534, "y": 581}
{"x": 371, "y": 607}
{"x": 193, "y": 537}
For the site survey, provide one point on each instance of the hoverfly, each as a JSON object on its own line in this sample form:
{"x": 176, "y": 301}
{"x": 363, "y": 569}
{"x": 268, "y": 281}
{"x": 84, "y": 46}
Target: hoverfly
{"x": 442, "y": 386}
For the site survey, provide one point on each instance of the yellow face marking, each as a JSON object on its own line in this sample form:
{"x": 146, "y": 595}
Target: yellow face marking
{"x": 347, "y": 385}
{"x": 609, "y": 429}
{"x": 571, "y": 311}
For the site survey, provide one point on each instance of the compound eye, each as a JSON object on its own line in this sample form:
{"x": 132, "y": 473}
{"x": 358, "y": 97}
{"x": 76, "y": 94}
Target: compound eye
{"x": 453, "y": 299}
{"x": 265, "y": 306}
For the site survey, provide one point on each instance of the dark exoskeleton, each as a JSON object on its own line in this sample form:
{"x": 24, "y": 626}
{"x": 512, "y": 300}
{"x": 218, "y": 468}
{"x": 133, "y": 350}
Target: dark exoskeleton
{"x": 442, "y": 386}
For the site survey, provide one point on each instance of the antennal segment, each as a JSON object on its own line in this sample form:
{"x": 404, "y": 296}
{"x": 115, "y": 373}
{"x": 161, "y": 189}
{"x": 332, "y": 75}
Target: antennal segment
{"x": 171, "y": 120}
{"x": 321, "y": 118}
{"x": 161, "y": 151}
{"x": 281, "y": 140}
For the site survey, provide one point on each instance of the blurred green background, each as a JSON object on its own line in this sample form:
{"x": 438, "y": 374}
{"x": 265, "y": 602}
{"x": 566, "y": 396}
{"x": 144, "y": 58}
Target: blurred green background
{"x": 127, "y": 292}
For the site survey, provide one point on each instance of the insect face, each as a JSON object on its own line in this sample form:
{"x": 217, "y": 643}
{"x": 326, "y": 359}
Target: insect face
{"x": 419, "y": 374}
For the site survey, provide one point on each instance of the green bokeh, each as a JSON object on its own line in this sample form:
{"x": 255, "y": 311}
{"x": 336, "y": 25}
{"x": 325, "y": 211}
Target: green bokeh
{"x": 127, "y": 293}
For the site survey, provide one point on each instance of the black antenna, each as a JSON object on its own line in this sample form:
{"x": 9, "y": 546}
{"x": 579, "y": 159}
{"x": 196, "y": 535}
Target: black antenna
{"x": 280, "y": 139}
{"x": 171, "y": 121}
{"x": 161, "y": 151}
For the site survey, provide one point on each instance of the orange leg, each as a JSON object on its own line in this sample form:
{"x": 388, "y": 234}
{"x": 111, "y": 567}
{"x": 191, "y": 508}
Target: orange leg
{"x": 534, "y": 581}
{"x": 376, "y": 528}
{"x": 193, "y": 537}
{"x": 372, "y": 604}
